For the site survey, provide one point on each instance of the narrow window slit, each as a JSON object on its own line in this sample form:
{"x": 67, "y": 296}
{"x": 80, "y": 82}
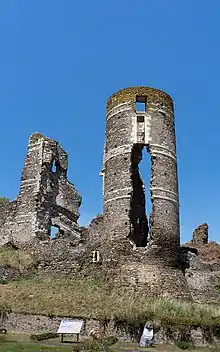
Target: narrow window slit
{"x": 140, "y": 118}
{"x": 95, "y": 256}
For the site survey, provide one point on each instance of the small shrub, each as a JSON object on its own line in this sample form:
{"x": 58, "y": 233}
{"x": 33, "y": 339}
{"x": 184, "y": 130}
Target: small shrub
{"x": 2, "y": 338}
{"x": 4, "y": 201}
{"x": 91, "y": 346}
{"x": 44, "y": 336}
{"x": 99, "y": 215}
{"x": 216, "y": 331}
{"x": 95, "y": 346}
{"x": 217, "y": 287}
{"x": 110, "y": 340}
{"x": 3, "y": 316}
{"x": 51, "y": 315}
{"x": 183, "y": 345}
{"x": 76, "y": 348}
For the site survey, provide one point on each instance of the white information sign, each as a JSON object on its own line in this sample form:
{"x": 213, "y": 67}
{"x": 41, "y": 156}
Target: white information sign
{"x": 146, "y": 336}
{"x": 70, "y": 326}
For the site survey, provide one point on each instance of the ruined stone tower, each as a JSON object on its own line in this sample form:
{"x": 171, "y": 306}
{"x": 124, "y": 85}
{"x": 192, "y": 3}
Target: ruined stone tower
{"x": 156, "y": 240}
{"x": 128, "y": 131}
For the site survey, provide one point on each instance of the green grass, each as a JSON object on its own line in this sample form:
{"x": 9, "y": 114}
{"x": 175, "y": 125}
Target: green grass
{"x": 26, "y": 347}
{"x": 96, "y": 299}
{"x": 159, "y": 348}
{"x": 23, "y": 347}
{"x": 14, "y": 342}
{"x": 17, "y": 259}
{"x": 17, "y": 342}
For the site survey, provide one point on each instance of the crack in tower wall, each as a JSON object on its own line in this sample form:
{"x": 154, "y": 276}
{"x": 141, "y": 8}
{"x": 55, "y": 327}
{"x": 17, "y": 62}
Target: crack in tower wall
{"x": 127, "y": 132}
{"x": 138, "y": 218}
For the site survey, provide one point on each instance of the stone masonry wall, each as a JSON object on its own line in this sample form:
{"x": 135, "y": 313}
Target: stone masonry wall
{"x": 31, "y": 324}
{"x": 46, "y": 197}
{"x": 140, "y": 251}
{"x": 200, "y": 235}
{"x": 202, "y": 266}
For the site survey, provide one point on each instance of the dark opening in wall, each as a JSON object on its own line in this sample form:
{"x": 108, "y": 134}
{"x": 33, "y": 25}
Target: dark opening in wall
{"x": 138, "y": 217}
{"x": 140, "y": 118}
{"x": 54, "y": 231}
{"x": 141, "y": 104}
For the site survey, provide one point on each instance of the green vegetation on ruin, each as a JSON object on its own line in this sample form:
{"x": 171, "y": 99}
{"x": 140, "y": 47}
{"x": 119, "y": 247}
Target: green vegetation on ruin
{"x": 4, "y": 201}
{"x": 89, "y": 298}
{"x": 129, "y": 95}
{"x": 17, "y": 259}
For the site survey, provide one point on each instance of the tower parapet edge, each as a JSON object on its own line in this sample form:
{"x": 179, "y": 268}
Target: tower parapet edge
{"x": 129, "y": 95}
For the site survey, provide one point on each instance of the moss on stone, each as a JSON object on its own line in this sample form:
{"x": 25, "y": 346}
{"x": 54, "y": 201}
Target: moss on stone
{"x": 129, "y": 95}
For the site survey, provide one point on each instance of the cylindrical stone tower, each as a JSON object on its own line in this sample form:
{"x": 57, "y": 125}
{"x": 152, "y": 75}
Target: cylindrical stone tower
{"x": 140, "y": 117}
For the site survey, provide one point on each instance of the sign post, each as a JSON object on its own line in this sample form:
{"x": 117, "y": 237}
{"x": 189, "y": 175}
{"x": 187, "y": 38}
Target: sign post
{"x": 68, "y": 327}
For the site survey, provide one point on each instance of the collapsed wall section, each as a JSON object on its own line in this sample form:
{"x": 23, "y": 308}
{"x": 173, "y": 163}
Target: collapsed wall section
{"x": 200, "y": 235}
{"x": 46, "y": 197}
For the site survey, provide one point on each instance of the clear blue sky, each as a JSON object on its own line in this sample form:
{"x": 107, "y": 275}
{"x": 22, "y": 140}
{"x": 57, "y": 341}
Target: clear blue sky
{"x": 61, "y": 59}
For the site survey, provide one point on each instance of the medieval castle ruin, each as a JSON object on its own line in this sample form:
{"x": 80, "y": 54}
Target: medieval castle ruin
{"x": 46, "y": 197}
{"x": 123, "y": 243}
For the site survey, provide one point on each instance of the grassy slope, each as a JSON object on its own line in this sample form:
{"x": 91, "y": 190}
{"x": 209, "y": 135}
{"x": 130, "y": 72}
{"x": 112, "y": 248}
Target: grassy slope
{"x": 95, "y": 299}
